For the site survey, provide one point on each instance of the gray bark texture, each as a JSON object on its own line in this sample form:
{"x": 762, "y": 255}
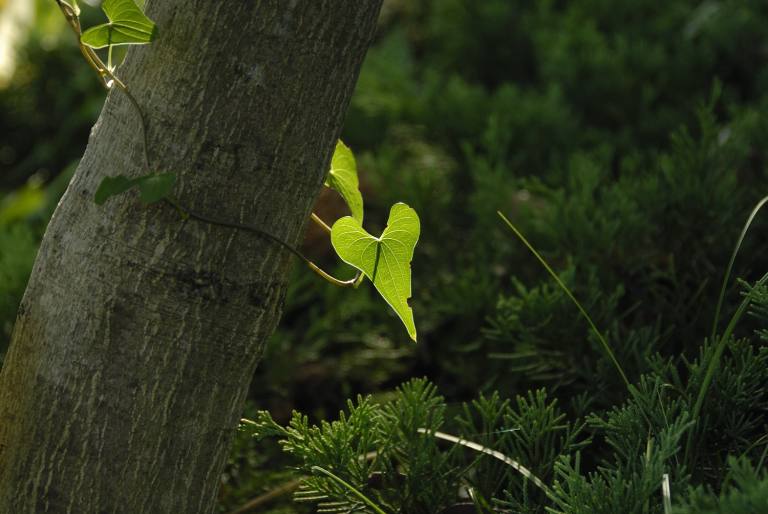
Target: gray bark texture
{"x": 138, "y": 334}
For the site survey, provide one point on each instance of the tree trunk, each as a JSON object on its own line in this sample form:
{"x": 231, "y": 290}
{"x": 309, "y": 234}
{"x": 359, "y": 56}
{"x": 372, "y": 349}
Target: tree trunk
{"x": 139, "y": 333}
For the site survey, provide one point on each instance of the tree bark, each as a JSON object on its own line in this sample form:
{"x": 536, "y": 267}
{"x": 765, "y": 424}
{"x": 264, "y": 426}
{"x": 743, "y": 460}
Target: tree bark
{"x": 138, "y": 334}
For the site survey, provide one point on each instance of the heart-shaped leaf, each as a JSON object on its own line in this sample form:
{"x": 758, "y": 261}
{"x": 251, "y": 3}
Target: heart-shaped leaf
{"x": 343, "y": 178}
{"x": 387, "y": 260}
{"x": 127, "y": 25}
{"x": 153, "y": 186}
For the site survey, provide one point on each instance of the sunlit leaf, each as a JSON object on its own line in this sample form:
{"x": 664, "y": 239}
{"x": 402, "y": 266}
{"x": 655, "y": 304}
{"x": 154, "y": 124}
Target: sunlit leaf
{"x": 387, "y": 260}
{"x": 153, "y": 186}
{"x": 127, "y": 25}
{"x": 343, "y": 178}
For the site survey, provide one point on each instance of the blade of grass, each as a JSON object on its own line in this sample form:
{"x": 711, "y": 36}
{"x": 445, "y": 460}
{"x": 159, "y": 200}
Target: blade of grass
{"x": 730, "y": 264}
{"x": 667, "y": 493}
{"x": 352, "y": 489}
{"x": 744, "y": 454}
{"x": 475, "y": 501}
{"x": 480, "y": 448}
{"x": 610, "y": 353}
{"x": 647, "y": 505}
{"x": 715, "y": 358}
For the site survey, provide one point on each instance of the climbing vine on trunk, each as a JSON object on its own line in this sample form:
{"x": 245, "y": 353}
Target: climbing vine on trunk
{"x": 385, "y": 260}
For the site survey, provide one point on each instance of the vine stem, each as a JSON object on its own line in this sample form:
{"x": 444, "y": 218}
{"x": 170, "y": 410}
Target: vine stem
{"x": 103, "y": 71}
{"x": 730, "y": 264}
{"x": 321, "y": 223}
{"x": 214, "y": 221}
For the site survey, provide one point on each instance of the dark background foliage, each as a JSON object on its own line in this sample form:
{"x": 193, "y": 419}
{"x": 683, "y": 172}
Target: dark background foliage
{"x": 626, "y": 140}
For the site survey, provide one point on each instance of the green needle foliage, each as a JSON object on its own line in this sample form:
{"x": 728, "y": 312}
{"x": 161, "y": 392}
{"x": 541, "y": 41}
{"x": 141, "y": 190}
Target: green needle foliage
{"x": 560, "y": 283}
{"x": 758, "y": 295}
{"x": 747, "y": 494}
{"x": 381, "y": 454}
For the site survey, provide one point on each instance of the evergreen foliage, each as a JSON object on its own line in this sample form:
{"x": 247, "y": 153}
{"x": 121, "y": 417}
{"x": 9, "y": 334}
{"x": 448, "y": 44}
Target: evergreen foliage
{"x": 388, "y": 454}
{"x": 643, "y": 443}
{"x": 747, "y": 494}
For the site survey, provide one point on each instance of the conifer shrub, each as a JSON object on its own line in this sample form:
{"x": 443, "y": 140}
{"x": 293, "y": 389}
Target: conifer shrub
{"x": 389, "y": 459}
{"x": 528, "y": 457}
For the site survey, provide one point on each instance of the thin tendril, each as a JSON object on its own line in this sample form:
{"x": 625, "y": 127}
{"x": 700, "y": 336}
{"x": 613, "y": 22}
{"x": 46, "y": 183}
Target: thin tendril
{"x": 348, "y": 283}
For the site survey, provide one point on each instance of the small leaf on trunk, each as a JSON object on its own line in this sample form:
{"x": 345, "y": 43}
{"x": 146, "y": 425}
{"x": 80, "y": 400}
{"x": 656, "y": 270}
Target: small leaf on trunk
{"x": 153, "y": 186}
{"x": 112, "y": 187}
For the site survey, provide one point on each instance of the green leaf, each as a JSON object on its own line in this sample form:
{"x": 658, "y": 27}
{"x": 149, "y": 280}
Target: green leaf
{"x": 153, "y": 186}
{"x": 343, "y": 178}
{"x": 127, "y": 25}
{"x": 112, "y": 187}
{"x": 387, "y": 260}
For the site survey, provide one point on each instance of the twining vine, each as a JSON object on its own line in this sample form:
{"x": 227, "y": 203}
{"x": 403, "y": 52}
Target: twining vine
{"x": 385, "y": 260}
